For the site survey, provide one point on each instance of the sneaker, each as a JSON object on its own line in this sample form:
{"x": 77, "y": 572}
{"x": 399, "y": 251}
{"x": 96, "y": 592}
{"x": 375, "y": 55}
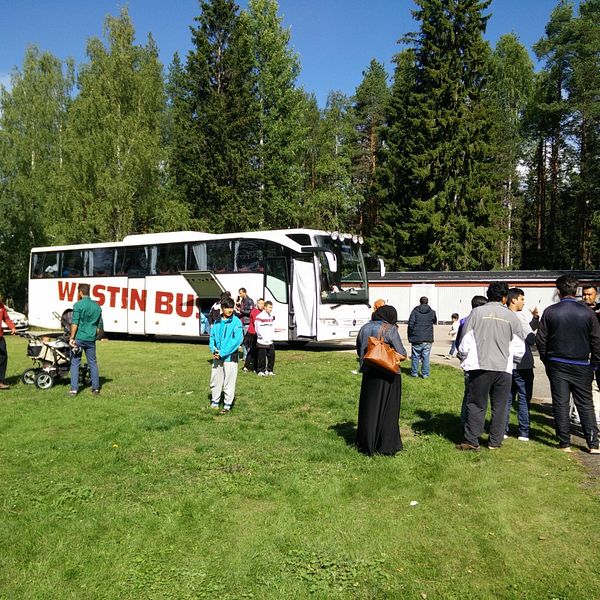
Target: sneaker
{"x": 214, "y": 405}
{"x": 523, "y": 438}
{"x": 467, "y": 446}
{"x": 448, "y": 357}
{"x": 594, "y": 450}
{"x": 493, "y": 447}
{"x": 270, "y": 373}
{"x": 96, "y": 392}
{"x": 245, "y": 370}
{"x": 566, "y": 449}
{"x": 506, "y": 436}
{"x": 72, "y": 392}
{"x": 225, "y": 411}
{"x": 4, "y": 386}
{"x": 262, "y": 374}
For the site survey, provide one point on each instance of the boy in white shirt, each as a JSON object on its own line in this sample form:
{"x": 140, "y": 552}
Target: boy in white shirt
{"x": 265, "y": 333}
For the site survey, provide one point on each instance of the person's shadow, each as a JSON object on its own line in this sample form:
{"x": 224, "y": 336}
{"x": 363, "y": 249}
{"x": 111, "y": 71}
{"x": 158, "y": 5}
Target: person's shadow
{"x": 446, "y": 424}
{"x": 346, "y": 430}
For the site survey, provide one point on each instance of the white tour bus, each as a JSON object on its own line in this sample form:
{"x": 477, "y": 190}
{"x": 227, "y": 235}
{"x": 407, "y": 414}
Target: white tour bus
{"x": 157, "y": 283}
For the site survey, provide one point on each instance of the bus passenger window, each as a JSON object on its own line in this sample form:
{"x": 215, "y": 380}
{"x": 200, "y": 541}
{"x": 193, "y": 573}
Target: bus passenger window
{"x": 219, "y": 256}
{"x": 170, "y": 259}
{"x": 197, "y": 257}
{"x": 73, "y": 263}
{"x": 249, "y": 256}
{"x": 102, "y": 260}
{"x": 134, "y": 262}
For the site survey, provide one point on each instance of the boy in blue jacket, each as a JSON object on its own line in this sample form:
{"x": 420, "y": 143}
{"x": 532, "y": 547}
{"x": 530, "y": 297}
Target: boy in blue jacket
{"x": 226, "y": 336}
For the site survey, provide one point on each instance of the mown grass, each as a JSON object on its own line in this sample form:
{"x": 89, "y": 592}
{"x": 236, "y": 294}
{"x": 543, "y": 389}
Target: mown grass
{"x": 144, "y": 492}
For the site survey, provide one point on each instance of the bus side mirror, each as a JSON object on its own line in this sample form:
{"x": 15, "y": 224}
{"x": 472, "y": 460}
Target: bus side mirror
{"x": 331, "y": 261}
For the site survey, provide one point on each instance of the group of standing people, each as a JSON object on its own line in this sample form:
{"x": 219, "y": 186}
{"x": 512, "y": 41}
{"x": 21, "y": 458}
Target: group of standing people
{"x": 494, "y": 343}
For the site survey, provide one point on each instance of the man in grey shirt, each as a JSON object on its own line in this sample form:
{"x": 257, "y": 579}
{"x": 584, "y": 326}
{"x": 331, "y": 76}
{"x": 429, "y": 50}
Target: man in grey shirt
{"x": 489, "y": 346}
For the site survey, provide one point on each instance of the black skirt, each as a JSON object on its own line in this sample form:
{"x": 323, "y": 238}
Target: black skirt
{"x": 378, "y": 413}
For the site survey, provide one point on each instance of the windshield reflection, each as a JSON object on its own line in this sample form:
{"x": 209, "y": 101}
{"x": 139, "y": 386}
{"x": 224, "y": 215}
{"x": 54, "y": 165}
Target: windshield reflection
{"x": 343, "y": 276}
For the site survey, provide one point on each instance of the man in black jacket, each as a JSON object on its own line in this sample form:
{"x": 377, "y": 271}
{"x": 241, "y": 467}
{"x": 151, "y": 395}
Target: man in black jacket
{"x": 568, "y": 337}
{"x": 420, "y": 335}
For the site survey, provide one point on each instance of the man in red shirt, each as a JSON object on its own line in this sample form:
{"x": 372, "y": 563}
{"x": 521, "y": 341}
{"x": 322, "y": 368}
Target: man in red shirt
{"x": 4, "y": 318}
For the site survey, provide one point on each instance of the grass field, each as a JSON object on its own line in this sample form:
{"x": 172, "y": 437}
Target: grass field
{"x": 145, "y": 492}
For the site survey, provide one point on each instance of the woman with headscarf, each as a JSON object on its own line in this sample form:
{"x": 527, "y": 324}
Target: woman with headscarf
{"x": 379, "y": 406}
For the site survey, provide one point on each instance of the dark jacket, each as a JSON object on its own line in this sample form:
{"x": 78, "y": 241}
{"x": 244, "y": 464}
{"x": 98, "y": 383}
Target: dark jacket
{"x": 569, "y": 333}
{"x": 420, "y": 324}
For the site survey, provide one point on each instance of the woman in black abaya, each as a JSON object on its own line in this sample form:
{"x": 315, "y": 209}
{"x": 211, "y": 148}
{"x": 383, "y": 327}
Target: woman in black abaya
{"x": 379, "y": 407}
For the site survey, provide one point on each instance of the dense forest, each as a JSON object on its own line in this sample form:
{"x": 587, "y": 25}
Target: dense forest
{"x": 466, "y": 158}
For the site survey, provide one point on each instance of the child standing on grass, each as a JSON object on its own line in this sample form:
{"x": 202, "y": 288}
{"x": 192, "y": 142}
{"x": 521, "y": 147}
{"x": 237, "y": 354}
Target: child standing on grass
{"x": 453, "y": 333}
{"x": 265, "y": 334}
{"x": 226, "y": 336}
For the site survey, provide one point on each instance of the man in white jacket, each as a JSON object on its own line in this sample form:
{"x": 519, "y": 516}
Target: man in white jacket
{"x": 265, "y": 334}
{"x": 489, "y": 345}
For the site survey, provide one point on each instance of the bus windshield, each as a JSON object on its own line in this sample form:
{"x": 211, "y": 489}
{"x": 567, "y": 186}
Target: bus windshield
{"x": 343, "y": 273}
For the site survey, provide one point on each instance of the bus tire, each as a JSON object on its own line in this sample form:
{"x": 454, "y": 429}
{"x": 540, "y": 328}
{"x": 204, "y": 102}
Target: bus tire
{"x": 28, "y": 377}
{"x": 44, "y": 381}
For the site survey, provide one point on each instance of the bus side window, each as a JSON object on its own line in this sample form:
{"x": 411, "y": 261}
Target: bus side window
{"x": 49, "y": 264}
{"x": 170, "y": 259}
{"x": 73, "y": 263}
{"x": 249, "y": 256}
{"x": 276, "y": 276}
{"x": 197, "y": 259}
{"x": 219, "y": 256}
{"x": 135, "y": 261}
{"x": 102, "y": 262}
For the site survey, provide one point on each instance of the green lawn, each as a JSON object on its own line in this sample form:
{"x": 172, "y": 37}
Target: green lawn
{"x": 144, "y": 492}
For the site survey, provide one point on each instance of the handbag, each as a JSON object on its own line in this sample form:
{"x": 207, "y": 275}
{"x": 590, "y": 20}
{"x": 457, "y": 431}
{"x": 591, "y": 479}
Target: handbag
{"x": 381, "y": 355}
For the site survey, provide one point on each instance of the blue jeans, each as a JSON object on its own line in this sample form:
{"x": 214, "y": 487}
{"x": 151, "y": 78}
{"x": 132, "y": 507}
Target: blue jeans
{"x": 522, "y": 391}
{"x": 90, "y": 355}
{"x": 420, "y": 354}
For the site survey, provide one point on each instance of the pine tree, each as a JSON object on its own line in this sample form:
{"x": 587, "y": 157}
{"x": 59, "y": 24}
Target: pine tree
{"x": 454, "y": 216}
{"x": 368, "y": 111}
{"x": 510, "y": 89}
{"x": 215, "y": 142}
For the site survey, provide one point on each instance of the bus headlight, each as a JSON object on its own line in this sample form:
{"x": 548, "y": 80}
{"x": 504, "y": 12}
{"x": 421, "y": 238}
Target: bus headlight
{"x": 329, "y": 322}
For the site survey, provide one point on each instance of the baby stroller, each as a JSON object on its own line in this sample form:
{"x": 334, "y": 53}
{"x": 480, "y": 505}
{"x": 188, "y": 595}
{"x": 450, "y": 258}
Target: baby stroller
{"x": 51, "y": 356}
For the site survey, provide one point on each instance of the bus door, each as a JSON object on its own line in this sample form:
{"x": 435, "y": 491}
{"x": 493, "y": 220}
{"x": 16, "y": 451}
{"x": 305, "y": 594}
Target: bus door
{"x": 276, "y": 290}
{"x": 207, "y": 286}
{"x": 136, "y": 306}
{"x": 304, "y": 298}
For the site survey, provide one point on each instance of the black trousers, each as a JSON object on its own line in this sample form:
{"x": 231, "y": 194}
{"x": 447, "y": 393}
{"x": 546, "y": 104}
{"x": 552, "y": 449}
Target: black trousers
{"x": 3, "y": 358}
{"x": 266, "y": 358}
{"x": 252, "y": 355}
{"x": 564, "y": 381}
{"x": 494, "y": 385}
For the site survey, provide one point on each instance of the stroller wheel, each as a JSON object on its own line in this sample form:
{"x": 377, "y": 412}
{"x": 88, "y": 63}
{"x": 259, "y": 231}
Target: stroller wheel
{"x": 28, "y": 378}
{"x": 44, "y": 381}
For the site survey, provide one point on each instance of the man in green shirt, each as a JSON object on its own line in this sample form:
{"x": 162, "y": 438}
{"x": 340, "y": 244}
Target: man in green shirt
{"x": 87, "y": 321}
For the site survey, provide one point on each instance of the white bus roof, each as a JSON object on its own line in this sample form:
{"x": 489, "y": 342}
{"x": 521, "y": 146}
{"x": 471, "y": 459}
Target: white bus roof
{"x": 167, "y": 237}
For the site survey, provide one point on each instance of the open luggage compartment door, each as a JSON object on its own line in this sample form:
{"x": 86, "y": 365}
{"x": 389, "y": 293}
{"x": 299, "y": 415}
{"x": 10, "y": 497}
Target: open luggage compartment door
{"x": 204, "y": 283}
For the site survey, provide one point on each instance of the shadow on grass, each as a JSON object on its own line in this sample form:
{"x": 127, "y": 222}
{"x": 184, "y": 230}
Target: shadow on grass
{"x": 445, "y": 424}
{"x": 346, "y": 430}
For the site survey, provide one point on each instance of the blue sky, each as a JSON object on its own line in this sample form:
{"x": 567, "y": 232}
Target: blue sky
{"x": 336, "y": 39}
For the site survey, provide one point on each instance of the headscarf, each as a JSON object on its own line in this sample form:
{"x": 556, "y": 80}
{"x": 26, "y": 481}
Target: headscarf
{"x": 386, "y": 313}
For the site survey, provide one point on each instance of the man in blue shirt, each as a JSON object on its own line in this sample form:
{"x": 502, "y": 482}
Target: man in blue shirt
{"x": 226, "y": 336}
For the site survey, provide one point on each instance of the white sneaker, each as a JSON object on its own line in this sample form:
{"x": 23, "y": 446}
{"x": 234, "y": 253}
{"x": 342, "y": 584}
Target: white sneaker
{"x": 505, "y": 436}
{"x": 262, "y": 374}
{"x": 523, "y": 438}
{"x": 270, "y": 373}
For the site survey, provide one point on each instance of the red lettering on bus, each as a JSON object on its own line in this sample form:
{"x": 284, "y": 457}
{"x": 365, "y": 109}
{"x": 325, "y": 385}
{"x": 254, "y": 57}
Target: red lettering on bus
{"x": 66, "y": 291}
{"x": 113, "y": 291}
{"x": 138, "y": 297}
{"x": 98, "y": 292}
{"x": 124, "y": 296}
{"x": 164, "y": 303}
{"x": 185, "y": 309}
